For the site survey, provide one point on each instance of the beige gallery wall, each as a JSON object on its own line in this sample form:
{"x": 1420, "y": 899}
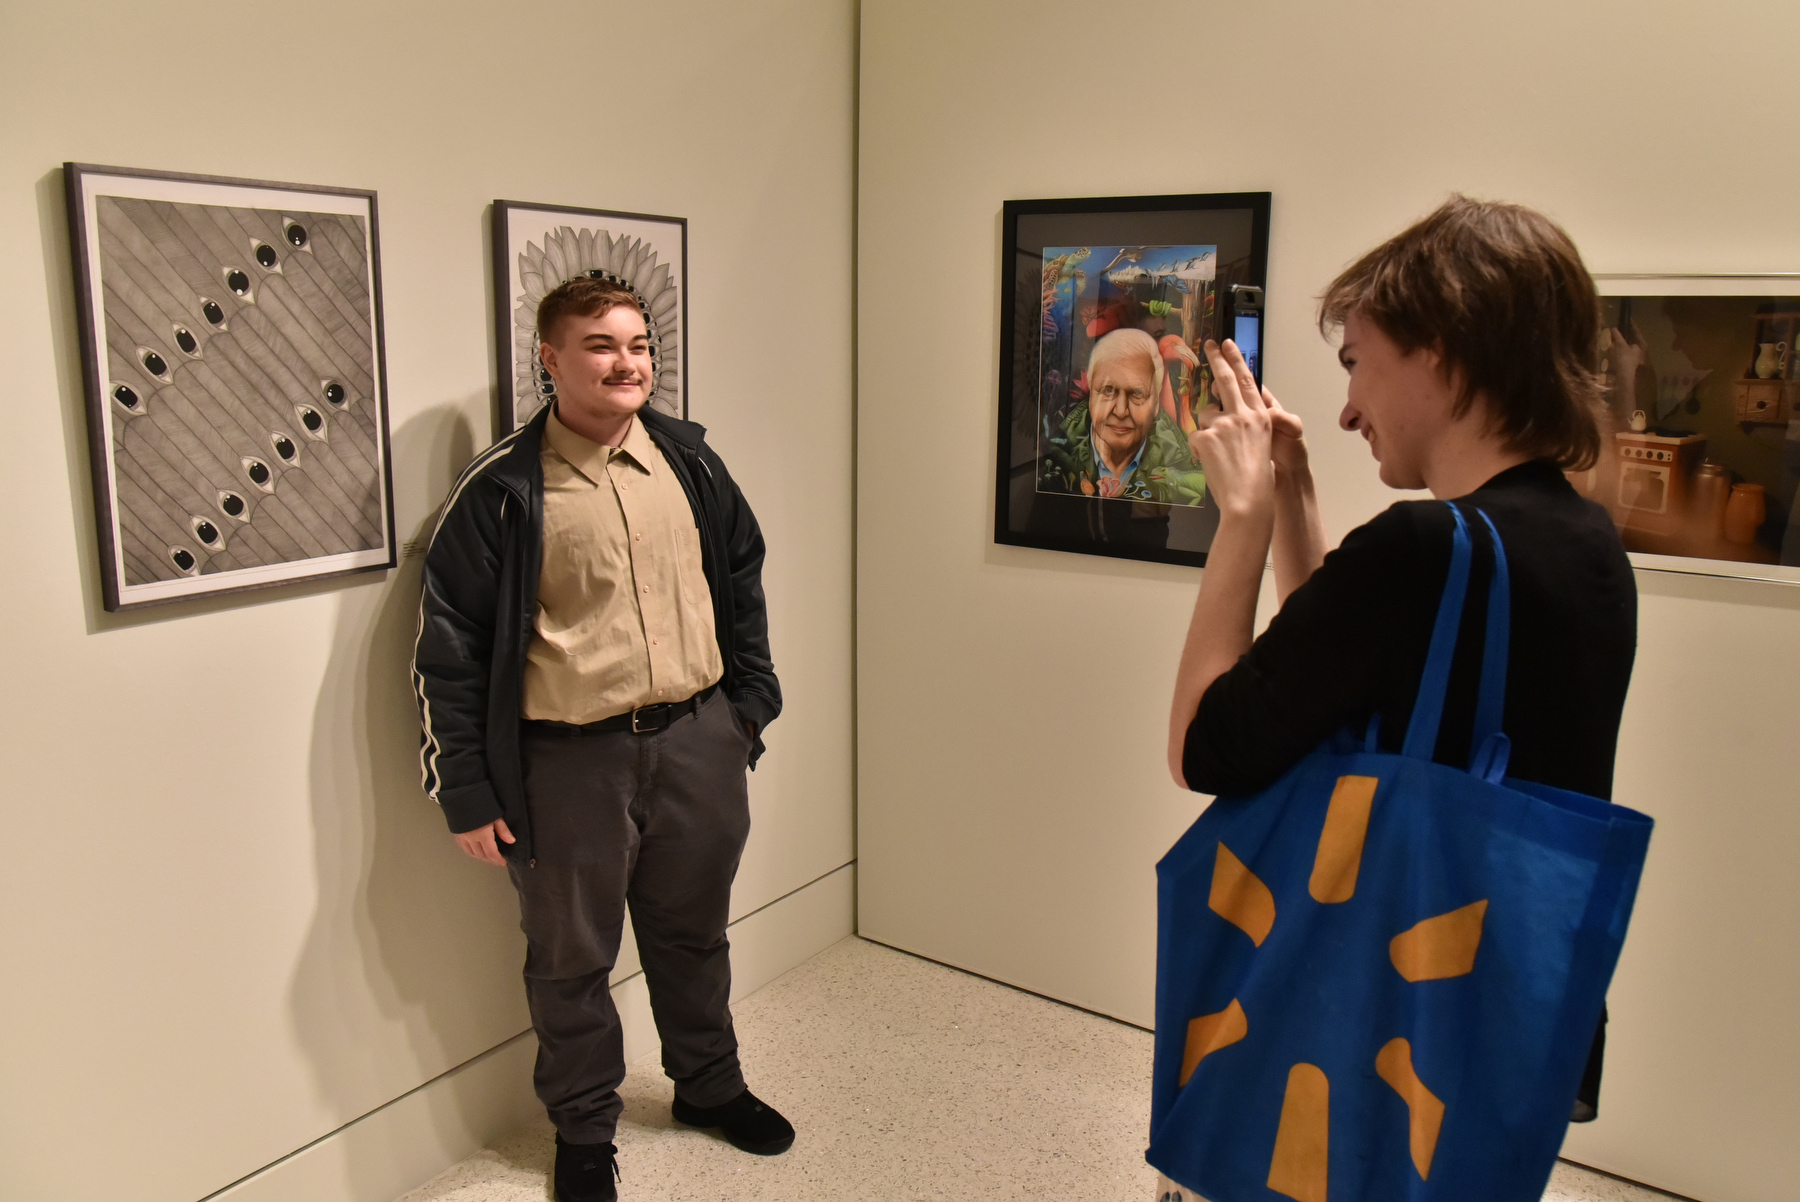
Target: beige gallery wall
{"x": 233, "y": 922}
{"x": 1013, "y": 799}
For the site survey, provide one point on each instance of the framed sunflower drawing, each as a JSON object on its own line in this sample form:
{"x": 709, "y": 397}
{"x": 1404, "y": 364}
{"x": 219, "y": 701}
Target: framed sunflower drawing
{"x": 537, "y": 247}
{"x": 237, "y": 401}
{"x": 1104, "y": 305}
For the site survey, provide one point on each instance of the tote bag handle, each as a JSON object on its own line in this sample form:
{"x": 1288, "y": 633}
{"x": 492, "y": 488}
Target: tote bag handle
{"x": 1490, "y": 747}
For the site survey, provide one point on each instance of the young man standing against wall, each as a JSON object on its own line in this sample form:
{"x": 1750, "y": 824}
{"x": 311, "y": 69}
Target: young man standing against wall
{"x": 593, "y": 675}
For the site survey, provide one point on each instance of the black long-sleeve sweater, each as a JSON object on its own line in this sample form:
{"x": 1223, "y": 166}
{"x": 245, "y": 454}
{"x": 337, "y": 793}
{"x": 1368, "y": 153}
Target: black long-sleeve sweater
{"x": 1351, "y": 642}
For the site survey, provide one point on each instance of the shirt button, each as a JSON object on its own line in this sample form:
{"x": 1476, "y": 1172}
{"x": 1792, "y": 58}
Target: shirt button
{"x": 654, "y": 642}
{"x": 639, "y": 537}
{"x": 659, "y": 692}
{"x": 646, "y": 588}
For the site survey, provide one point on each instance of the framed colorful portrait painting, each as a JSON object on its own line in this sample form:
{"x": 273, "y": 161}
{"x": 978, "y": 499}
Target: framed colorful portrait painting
{"x": 1105, "y": 303}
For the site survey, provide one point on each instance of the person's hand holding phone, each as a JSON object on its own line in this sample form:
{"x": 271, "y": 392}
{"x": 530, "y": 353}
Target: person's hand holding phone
{"x": 1287, "y": 444}
{"x": 1235, "y": 443}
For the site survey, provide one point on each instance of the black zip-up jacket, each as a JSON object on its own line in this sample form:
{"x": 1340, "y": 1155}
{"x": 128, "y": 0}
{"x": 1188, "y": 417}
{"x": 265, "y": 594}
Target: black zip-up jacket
{"x": 479, "y": 606}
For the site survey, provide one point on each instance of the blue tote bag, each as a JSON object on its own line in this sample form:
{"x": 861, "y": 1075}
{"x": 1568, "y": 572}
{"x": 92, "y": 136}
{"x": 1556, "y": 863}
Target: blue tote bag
{"x": 1379, "y": 978}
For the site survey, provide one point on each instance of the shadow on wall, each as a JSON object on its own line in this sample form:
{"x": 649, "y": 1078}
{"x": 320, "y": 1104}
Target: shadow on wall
{"x": 411, "y": 965}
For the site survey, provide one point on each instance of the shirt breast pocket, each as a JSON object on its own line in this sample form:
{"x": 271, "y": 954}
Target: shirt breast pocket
{"x": 689, "y": 567}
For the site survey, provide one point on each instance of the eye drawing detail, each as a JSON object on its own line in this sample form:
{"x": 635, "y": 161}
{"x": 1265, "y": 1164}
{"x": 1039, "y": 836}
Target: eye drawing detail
{"x": 233, "y": 506}
{"x": 153, "y": 363}
{"x": 237, "y": 281}
{"x": 259, "y": 474}
{"x": 284, "y": 446}
{"x": 205, "y": 531}
{"x": 126, "y": 396}
{"x": 212, "y": 311}
{"x": 186, "y": 341}
{"x": 311, "y": 419}
{"x": 295, "y": 234}
{"x": 265, "y": 254}
{"x": 183, "y": 559}
{"x": 335, "y": 393}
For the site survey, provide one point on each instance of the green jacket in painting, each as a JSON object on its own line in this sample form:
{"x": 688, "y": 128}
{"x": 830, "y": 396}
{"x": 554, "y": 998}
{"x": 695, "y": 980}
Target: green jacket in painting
{"x": 1166, "y": 474}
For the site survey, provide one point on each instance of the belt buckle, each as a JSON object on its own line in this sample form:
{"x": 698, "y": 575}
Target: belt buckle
{"x": 647, "y": 730}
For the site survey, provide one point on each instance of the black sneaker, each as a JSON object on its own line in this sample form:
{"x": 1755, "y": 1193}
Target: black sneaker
{"x": 750, "y": 1125}
{"x": 586, "y": 1172}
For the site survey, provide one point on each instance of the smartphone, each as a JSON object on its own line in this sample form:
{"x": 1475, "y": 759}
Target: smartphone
{"x": 1243, "y": 323}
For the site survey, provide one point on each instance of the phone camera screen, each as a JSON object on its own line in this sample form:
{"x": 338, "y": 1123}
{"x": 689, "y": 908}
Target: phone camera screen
{"x": 1247, "y": 333}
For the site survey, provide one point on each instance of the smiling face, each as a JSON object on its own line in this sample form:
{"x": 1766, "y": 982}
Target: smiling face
{"x": 603, "y": 370}
{"x": 1122, "y": 406}
{"x": 1399, "y": 401}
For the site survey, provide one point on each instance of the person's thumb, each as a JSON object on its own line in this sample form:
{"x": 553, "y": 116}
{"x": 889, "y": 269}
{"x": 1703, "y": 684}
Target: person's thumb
{"x": 501, "y": 830}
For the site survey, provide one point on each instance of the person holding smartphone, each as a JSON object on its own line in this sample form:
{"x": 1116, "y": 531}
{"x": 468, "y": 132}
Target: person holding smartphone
{"x": 1470, "y": 344}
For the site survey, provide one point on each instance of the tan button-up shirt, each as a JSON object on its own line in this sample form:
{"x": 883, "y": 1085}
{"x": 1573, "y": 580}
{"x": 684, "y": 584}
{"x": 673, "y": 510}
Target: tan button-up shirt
{"x": 624, "y": 616}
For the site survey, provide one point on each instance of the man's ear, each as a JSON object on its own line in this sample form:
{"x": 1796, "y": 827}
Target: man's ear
{"x": 547, "y": 354}
{"x": 1451, "y": 377}
{"x": 1456, "y": 385}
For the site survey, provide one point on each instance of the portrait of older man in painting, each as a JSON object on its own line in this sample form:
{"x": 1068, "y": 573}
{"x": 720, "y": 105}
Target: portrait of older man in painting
{"x": 1124, "y": 442}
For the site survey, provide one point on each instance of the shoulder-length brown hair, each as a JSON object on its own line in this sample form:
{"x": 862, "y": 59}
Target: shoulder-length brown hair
{"x": 1500, "y": 292}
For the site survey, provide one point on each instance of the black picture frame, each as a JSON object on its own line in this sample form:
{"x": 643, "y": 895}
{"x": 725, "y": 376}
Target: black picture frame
{"x": 233, "y": 358}
{"x": 1044, "y": 496}
{"x": 635, "y": 251}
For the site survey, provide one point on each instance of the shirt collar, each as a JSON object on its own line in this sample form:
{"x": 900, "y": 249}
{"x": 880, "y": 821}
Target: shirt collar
{"x": 1100, "y": 460}
{"x": 637, "y": 447}
{"x": 591, "y": 458}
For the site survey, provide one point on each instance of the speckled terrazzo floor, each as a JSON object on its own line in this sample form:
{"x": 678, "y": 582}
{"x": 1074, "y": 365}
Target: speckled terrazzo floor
{"x": 905, "y": 1080}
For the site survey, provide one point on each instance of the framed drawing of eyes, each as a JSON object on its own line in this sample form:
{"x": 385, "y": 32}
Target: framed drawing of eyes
{"x": 231, "y": 344}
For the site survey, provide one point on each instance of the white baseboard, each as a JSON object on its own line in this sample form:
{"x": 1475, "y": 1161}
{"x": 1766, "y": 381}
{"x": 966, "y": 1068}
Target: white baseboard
{"x": 792, "y": 930}
{"x": 408, "y": 1141}
{"x": 411, "y": 1139}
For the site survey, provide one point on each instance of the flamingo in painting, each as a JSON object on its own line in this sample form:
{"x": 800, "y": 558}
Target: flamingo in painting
{"x": 1174, "y": 353}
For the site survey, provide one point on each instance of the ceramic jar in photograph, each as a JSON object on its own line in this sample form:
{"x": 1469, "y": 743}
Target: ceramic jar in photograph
{"x": 1744, "y": 512}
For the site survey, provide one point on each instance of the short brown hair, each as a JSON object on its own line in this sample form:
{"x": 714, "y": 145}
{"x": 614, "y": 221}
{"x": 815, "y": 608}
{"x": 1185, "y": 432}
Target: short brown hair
{"x": 583, "y": 296}
{"x": 1500, "y": 292}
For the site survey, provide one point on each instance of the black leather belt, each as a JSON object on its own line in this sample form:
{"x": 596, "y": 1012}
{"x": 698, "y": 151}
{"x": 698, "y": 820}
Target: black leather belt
{"x": 644, "y": 720}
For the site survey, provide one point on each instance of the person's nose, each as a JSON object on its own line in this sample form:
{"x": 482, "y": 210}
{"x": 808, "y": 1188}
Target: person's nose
{"x": 1350, "y": 418}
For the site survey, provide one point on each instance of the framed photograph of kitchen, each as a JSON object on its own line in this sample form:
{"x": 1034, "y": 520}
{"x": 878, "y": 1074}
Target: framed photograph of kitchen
{"x": 237, "y": 400}
{"x": 537, "y": 247}
{"x": 1104, "y": 305}
{"x": 1700, "y": 460}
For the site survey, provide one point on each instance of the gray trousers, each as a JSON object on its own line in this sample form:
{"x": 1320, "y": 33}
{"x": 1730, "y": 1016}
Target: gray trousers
{"x": 656, "y": 822}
